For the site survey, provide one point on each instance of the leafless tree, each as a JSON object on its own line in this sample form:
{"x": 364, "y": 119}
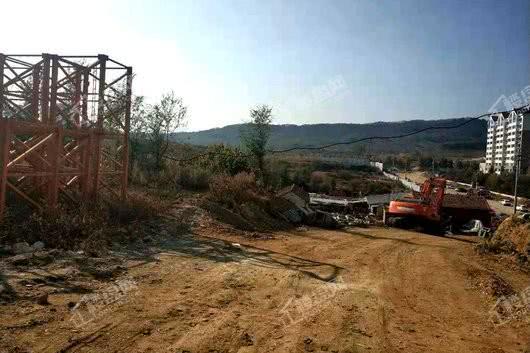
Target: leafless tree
{"x": 163, "y": 118}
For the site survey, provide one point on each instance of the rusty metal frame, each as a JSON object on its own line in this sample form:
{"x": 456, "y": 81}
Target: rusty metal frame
{"x": 64, "y": 128}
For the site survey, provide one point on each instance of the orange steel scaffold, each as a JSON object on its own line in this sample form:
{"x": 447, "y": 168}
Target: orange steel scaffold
{"x": 64, "y": 128}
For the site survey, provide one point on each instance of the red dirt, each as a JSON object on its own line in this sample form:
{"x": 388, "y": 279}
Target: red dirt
{"x": 360, "y": 290}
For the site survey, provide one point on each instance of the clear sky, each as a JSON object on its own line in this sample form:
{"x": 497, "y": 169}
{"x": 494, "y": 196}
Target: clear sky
{"x": 313, "y": 61}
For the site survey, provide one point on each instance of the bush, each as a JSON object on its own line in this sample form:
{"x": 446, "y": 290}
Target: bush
{"x": 64, "y": 230}
{"x": 232, "y": 191}
{"x": 223, "y": 159}
{"x": 192, "y": 178}
{"x": 174, "y": 178}
{"x": 137, "y": 176}
{"x": 278, "y": 174}
{"x": 135, "y": 208}
{"x": 91, "y": 227}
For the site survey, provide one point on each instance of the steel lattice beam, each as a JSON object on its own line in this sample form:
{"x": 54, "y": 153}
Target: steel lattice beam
{"x": 58, "y": 118}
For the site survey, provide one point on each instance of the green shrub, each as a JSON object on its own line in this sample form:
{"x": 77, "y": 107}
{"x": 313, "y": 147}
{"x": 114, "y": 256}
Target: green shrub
{"x": 223, "y": 159}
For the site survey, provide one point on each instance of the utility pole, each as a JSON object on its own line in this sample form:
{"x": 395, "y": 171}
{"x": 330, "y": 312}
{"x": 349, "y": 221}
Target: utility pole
{"x": 517, "y": 170}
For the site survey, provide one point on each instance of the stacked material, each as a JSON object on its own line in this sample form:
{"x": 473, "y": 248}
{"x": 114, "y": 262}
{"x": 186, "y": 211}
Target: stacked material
{"x": 472, "y": 202}
{"x": 463, "y": 208}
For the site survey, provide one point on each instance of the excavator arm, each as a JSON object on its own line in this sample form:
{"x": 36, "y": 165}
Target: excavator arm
{"x": 422, "y": 210}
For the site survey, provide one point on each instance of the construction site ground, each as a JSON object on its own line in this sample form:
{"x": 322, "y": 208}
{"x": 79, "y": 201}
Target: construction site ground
{"x": 213, "y": 289}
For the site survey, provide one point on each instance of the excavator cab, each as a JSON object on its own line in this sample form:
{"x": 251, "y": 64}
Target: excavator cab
{"x": 421, "y": 210}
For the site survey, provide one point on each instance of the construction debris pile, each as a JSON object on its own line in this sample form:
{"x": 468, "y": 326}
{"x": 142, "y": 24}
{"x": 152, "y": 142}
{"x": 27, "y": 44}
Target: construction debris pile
{"x": 352, "y": 220}
{"x": 323, "y": 210}
{"x": 291, "y": 206}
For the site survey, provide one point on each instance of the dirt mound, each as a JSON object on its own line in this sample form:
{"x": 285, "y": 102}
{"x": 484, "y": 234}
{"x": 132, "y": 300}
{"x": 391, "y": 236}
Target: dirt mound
{"x": 224, "y": 215}
{"x": 248, "y": 217}
{"x": 490, "y": 283}
{"x": 238, "y": 200}
{"x": 472, "y": 202}
{"x": 517, "y": 232}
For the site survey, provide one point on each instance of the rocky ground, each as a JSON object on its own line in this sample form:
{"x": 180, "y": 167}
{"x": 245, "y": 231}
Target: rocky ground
{"x": 209, "y": 288}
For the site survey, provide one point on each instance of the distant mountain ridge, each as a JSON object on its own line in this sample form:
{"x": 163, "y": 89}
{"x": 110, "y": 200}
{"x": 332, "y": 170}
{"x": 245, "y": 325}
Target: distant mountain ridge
{"x": 468, "y": 138}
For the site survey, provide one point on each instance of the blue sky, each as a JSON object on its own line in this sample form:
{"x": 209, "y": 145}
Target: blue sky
{"x": 313, "y": 61}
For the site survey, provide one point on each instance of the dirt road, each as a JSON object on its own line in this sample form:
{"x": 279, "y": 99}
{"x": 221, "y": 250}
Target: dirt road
{"x": 357, "y": 290}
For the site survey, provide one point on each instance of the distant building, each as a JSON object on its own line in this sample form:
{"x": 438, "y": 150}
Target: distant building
{"x": 508, "y": 134}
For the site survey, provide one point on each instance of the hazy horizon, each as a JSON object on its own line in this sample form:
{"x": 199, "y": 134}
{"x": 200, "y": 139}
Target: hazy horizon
{"x": 313, "y": 61}
{"x": 328, "y": 123}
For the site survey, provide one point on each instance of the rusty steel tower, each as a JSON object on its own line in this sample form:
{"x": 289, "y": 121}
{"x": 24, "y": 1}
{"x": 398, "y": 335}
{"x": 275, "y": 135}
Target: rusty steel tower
{"x": 64, "y": 129}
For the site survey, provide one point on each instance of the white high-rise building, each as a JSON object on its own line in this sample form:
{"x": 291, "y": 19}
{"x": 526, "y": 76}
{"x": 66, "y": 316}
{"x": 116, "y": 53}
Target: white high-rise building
{"x": 508, "y": 135}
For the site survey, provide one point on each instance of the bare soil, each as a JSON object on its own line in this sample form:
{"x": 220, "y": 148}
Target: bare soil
{"x": 215, "y": 289}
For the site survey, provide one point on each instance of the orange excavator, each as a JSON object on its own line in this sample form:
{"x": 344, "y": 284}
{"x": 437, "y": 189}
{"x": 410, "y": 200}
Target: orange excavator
{"x": 422, "y": 210}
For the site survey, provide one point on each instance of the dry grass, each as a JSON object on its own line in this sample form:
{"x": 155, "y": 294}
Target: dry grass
{"x": 174, "y": 177}
{"x": 239, "y": 201}
{"x": 137, "y": 207}
{"x": 91, "y": 228}
{"x": 233, "y": 191}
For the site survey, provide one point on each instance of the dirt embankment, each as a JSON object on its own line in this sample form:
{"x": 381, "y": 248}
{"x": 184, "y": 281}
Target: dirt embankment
{"x": 215, "y": 289}
{"x": 517, "y": 232}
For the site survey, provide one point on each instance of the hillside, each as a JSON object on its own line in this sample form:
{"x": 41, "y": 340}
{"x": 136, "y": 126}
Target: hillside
{"x": 469, "y": 139}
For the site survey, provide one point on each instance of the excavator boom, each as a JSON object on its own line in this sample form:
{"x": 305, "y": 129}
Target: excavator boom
{"x": 421, "y": 210}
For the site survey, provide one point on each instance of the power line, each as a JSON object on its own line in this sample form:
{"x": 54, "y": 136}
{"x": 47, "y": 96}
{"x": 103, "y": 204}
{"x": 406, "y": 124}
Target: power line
{"x": 381, "y": 137}
{"x": 351, "y": 142}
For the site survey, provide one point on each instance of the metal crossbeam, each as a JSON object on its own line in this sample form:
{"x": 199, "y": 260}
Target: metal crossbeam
{"x": 57, "y": 116}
